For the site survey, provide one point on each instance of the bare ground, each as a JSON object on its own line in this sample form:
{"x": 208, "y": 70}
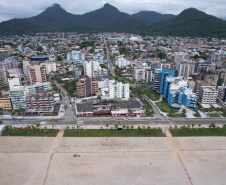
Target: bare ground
{"x": 24, "y": 160}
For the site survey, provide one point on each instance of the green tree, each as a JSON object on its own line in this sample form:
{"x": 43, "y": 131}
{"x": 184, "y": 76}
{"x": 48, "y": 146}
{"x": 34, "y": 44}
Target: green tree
{"x": 59, "y": 58}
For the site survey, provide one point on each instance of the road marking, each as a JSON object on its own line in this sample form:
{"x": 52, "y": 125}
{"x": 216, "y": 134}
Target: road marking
{"x": 175, "y": 149}
{"x": 52, "y": 151}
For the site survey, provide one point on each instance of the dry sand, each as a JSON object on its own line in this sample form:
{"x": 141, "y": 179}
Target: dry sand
{"x": 24, "y": 160}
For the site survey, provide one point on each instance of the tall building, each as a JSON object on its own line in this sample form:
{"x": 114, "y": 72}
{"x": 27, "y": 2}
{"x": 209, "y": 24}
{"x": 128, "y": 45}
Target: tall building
{"x": 207, "y": 96}
{"x": 87, "y": 87}
{"x": 98, "y": 57}
{"x": 139, "y": 74}
{"x": 36, "y": 74}
{"x": 18, "y": 97}
{"x": 121, "y": 62}
{"x": 119, "y": 90}
{"x": 35, "y": 88}
{"x": 149, "y": 75}
{"x": 13, "y": 82}
{"x": 105, "y": 82}
{"x": 90, "y": 67}
{"x": 178, "y": 94}
{"x": 49, "y": 66}
{"x": 76, "y": 56}
{"x": 170, "y": 80}
{"x": 210, "y": 81}
{"x": 221, "y": 98}
{"x": 42, "y": 102}
{"x": 3, "y": 77}
{"x": 26, "y": 64}
{"x": 9, "y": 63}
{"x": 76, "y": 73}
{"x": 14, "y": 73}
{"x": 159, "y": 78}
{"x": 186, "y": 68}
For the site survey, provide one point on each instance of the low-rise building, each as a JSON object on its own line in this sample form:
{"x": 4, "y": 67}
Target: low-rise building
{"x": 5, "y": 103}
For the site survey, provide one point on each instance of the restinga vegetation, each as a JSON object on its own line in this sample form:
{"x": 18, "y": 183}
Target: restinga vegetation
{"x": 190, "y": 22}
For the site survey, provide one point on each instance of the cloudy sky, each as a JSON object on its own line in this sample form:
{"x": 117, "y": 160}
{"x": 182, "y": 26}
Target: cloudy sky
{"x": 27, "y": 8}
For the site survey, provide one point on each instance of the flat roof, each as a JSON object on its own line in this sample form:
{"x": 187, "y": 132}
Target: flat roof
{"x": 85, "y": 107}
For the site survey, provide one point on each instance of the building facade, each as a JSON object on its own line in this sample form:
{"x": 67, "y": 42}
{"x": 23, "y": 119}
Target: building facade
{"x": 36, "y": 73}
{"x": 18, "y": 97}
{"x": 35, "y": 88}
{"x": 139, "y": 74}
{"x": 42, "y": 102}
{"x": 119, "y": 90}
{"x": 87, "y": 87}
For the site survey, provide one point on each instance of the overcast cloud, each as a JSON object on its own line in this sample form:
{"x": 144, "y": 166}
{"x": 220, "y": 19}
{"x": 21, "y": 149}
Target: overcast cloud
{"x": 27, "y": 8}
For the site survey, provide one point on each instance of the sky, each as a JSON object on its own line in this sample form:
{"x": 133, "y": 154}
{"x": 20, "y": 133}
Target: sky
{"x": 28, "y": 8}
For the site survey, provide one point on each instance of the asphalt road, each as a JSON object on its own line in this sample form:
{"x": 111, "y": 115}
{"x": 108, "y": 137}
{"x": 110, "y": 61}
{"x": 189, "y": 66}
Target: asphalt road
{"x": 110, "y": 63}
{"x": 69, "y": 111}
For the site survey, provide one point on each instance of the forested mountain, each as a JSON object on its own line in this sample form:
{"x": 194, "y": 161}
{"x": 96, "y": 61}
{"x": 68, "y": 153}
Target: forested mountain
{"x": 152, "y": 16}
{"x": 190, "y": 22}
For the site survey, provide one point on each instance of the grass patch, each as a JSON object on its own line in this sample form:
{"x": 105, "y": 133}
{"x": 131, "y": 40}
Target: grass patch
{"x": 114, "y": 133}
{"x": 113, "y": 101}
{"x": 30, "y": 132}
{"x": 149, "y": 109}
{"x": 182, "y": 115}
{"x": 198, "y": 132}
{"x": 197, "y": 114}
{"x": 223, "y": 114}
{"x": 152, "y": 94}
{"x": 165, "y": 107}
{"x": 214, "y": 115}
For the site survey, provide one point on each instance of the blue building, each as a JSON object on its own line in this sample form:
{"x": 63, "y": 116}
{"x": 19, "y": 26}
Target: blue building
{"x": 39, "y": 58}
{"x": 98, "y": 57}
{"x": 182, "y": 96}
{"x": 160, "y": 77}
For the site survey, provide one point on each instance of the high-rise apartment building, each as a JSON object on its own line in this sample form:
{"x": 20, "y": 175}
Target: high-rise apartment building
{"x": 139, "y": 74}
{"x": 18, "y": 97}
{"x": 9, "y": 63}
{"x": 42, "y": 102}
{"x": 221, "y": 98}
{"x": 3, "y": 77}
{"x": 49, "y": 66}
{"x": 90, "y": 67}
{"x": 119, "y": 90}
{"x": 36, "y": 73}
{"x": 87, "y": 87}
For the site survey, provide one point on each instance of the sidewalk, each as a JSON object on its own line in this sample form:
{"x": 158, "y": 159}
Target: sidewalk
{"x": 60, "y": 115}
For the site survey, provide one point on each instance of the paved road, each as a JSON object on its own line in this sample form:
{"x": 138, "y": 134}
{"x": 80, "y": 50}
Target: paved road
{"x": 69, "y": 105}
{"x": 110, "y": 63}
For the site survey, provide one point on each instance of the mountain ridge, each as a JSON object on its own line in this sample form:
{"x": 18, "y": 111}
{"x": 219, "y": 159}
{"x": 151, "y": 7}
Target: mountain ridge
{"x": 190, "y": 22}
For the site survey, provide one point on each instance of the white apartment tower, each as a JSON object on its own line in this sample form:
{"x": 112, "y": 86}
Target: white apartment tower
{"x": 119, "y": 90}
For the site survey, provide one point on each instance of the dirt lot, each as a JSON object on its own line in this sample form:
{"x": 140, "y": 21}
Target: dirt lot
{"x": 120, "y": 161}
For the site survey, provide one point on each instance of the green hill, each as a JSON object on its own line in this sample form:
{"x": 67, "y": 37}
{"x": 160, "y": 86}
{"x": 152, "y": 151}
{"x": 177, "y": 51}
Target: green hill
{"x": 152, "y": 16}
{"x": 191, "y": 22}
